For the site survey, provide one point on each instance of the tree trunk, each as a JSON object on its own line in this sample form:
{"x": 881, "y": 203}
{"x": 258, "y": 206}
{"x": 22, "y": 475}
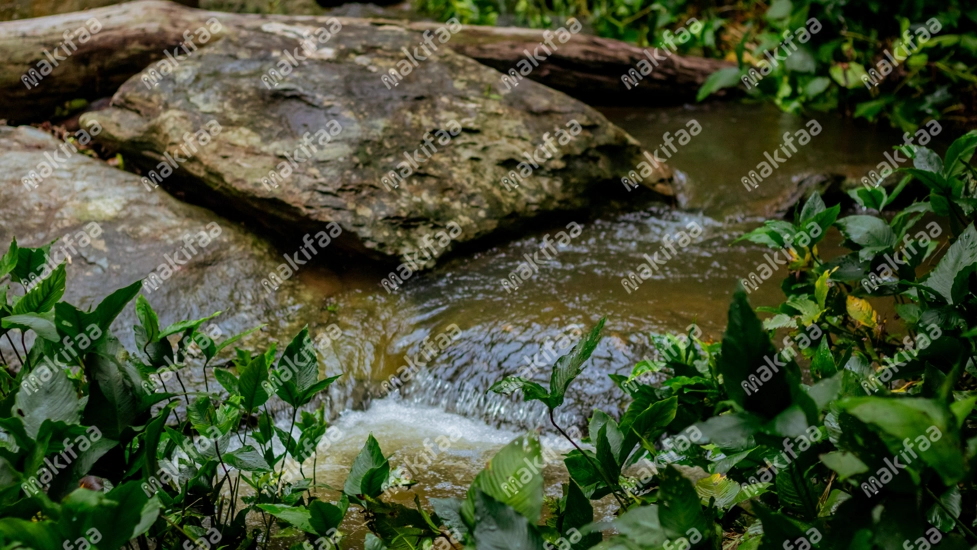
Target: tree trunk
{"x": 135, "y": 34}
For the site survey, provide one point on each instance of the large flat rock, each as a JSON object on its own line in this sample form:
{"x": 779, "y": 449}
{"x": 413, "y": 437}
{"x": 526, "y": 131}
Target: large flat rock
{"x": 463, "y": 131}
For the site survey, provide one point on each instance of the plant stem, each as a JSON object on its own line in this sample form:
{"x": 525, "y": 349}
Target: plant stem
{"x": 590, "y": 460}
{"x": 27, "y": 354}
{"x": 13, "y": 347}
{"x": 957, "y": 521}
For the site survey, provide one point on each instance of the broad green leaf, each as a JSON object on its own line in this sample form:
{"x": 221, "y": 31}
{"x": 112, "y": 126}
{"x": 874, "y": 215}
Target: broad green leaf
{"x": 927, "y": 159}
{"x": 949, "y": 278}
{"x": 55, "y": 400}
{"x": 570, "y": 365}
{"x": 251, "y": 383}
{"x": 369, "y": 471}
{"x": 30, "y": 262}
{"x": 147, "y": 318}
{"x": 294, "y": 515}
{"x": 960, "y": 152}
{"x": 41, "y": 324}
{"x": 325, "y": 516}
{"x": 812, "y": 207}
{"x": 514, "y": 477}
{"x": 867, "y": 231}
{"x": 9, "y": 260}
{"x": 44, "y": 295}
{"x": 848, "y": 75}
{"x": 722, "y": 489}
{"x": 641, "y": 525}
{"x": 300, "y": 357}
{"x": 844, "y": 464}
{"x": 183, "y": 326}
{"x": 723, "y": 78}
{"x": 746, "y": 348}
{"x": 679, "y": 509}
{"x": 500, "y": 527}
{"x": 914, "y": 418}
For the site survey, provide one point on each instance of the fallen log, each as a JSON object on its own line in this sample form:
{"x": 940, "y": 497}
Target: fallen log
{"x": 48, "y": 61}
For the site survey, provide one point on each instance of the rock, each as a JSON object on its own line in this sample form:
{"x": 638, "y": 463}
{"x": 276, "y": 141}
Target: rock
{"x": 134, "y": 232}
{"x": 299, "y": 134}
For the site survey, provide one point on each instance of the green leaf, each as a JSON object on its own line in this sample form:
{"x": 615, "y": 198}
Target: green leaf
{"x": 640, "y": 524}
{"x": 227, "y": 380}
{"x": 649, "y": 424}
{"x": 949, "y": 278}
{"x": 55, "y": 400}
{"x": 251, "y": 383}
{"x": 147, "y": 318}
{"x": 927, "y": 160}
{"x": 723, "y": 78}
{"x": 369, "y": 471}
{"x": 182, "y": 326}
{"x": 500, "y": 527}
{"x": 913, "y": 418}
{"x": 844, "y": 464}
{"x": 779, "y": 9}
{"x": 848, "y": 75}
{"x": 247, "y": 458}
{"x": 300, "y": 358}
{"x": 959, "y": 153}
{"x": 43, "y": 295}
{"x": 41, "y": 324}
{"x": 867, "y": 231}
{"x": 9, "y": 260}
{"x": 679, "y": 509}
{"x": 324, "y": 516}
{"x": 938, "y": 517}
{"x": 570, "y": 365}
{"x": 745, "y": 348}
{"x": 812, "y": 207}
{"x": 294, "y": 515}
{"x": 30, "y": 262}
{"x": 503, "y": 478}
{"x": 531, "y": 390}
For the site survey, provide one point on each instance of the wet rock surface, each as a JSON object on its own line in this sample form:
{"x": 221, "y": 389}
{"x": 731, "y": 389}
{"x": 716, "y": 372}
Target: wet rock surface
{"x": 461, "y": 129}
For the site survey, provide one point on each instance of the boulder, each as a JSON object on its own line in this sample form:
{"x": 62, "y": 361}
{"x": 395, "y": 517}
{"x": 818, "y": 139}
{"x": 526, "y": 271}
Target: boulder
{"x": 408, "y": 146}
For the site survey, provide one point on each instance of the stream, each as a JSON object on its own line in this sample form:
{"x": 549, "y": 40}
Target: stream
{"x": 503, "y": 333}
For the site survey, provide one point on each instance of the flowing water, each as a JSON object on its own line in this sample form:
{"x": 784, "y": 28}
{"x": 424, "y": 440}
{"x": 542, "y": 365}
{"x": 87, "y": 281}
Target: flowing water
{"x": 478, "y": 331}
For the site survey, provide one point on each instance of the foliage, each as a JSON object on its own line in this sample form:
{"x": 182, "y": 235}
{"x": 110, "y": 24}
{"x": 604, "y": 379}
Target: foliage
{"x": 824, "y": 73}
{"x": 859, "y": 433}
